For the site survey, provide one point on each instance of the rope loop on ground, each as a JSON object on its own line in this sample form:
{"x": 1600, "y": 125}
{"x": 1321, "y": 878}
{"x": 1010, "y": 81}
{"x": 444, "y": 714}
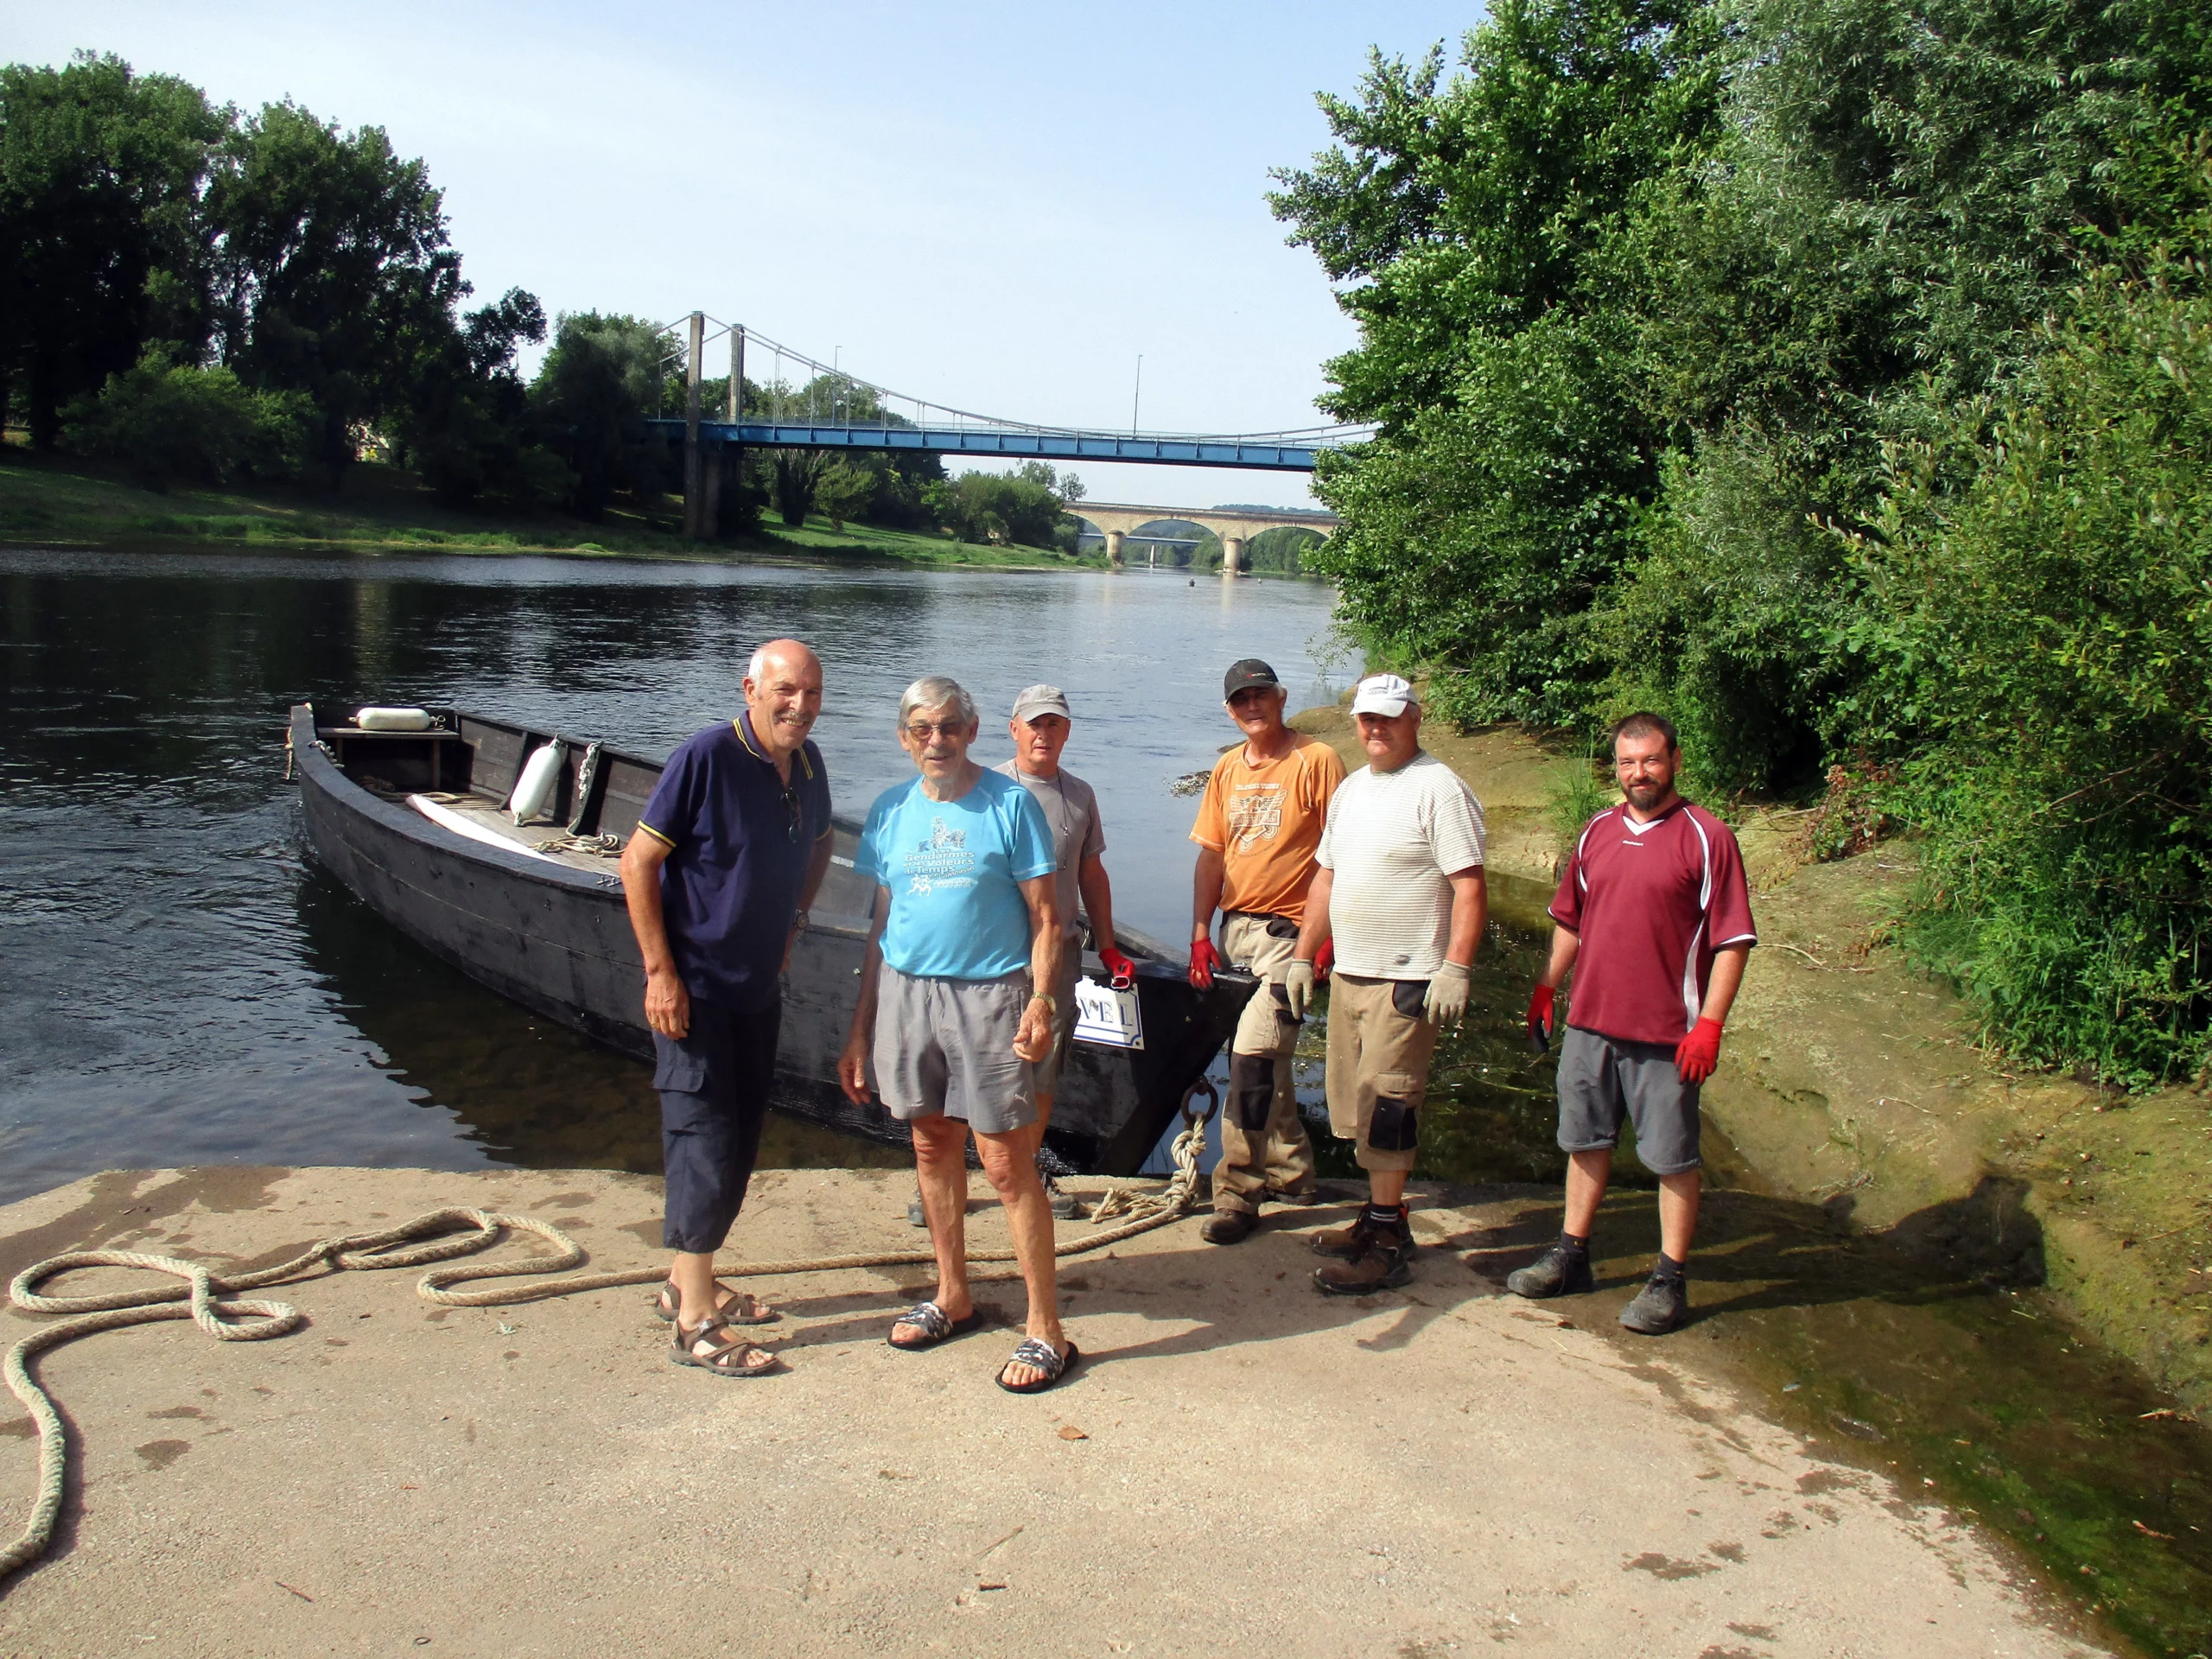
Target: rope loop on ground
{"x": 435, "y": 1236}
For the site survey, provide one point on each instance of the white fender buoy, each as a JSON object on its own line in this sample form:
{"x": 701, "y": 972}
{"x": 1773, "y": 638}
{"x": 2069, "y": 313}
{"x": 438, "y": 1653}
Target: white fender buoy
{"x": 534, "y": 790}
{"x": 393, "y": 719}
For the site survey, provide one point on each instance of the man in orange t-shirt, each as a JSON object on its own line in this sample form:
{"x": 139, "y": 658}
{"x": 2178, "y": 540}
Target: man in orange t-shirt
{"x": 1259, "y": 826}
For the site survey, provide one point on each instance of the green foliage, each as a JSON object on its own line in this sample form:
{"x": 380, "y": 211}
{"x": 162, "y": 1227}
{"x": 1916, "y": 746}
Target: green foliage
{"x": 1022, "y": 508}
{"x": 466, "y": 421}
{"x": 1579, "y": 796}
{"x": 169, "y": 421}
{"x": 300, "y": 257}
{"x": 590, "y": 401}
{"x": 1281, "y": 551}
{"x": 844, "y": 492}
{"x": 1471, "y": 221}
{"x": 331, "y": 268}
{"x": 1751, "y": 361}
{"x": 2046, "y": 632}
{"x": 100, "y": 238}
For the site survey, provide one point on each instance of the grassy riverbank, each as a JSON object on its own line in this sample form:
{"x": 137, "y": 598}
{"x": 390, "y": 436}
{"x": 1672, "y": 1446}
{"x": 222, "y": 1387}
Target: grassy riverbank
{"x": 1851, "y": 1081}
{"x": 66, "y": 502}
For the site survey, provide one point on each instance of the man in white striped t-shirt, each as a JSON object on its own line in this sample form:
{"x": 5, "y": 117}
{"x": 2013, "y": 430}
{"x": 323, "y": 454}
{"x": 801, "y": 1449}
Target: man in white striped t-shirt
{"x": 1400, "y": 889}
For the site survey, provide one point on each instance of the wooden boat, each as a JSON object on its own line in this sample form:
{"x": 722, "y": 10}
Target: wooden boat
{"x": 412, "y": 822}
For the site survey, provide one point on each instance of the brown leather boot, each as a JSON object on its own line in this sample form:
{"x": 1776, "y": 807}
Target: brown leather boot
{"x": 1346, "y": 1243}
{"x": 1384, "y": 1265}
{"x": 1385, "y": 1260}
{"x": 1228, "y": 1226}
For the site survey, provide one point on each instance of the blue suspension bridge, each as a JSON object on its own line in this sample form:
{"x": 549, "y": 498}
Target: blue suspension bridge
{"x": 830, "y": 409}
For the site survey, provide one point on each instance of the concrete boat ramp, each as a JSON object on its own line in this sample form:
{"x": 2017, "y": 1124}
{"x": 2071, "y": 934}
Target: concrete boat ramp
{"x": 1237, "y": 1463}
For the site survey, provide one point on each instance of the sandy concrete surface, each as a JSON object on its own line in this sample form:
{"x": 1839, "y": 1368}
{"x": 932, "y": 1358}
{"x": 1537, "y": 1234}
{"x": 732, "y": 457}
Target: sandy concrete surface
{"x": 1235, "y": 1463}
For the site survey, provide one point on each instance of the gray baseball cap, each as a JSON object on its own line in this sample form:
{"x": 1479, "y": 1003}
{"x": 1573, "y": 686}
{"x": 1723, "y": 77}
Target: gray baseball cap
{"x": 1042, "y": 700}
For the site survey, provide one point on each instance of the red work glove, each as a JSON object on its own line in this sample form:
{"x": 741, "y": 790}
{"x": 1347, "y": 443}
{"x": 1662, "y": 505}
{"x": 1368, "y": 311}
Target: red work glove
{"x": 1123, "y": 970}
{"x": 1540, "y": 1016}
{"x": 1324, "y": 958}
{"x": 1698, "y": 1053}
{"x": 1203, "y": 960}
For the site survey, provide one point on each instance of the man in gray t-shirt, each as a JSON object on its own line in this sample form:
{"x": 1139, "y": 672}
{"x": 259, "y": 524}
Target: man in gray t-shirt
{"x": 1041, "y": 727}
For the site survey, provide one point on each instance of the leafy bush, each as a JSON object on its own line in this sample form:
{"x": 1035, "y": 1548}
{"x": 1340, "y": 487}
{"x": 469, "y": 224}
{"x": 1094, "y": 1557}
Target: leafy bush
{"x": 2046, "y": 634}
{"x": 844, "y": 492}
{"x": 166, "y": 420}
{"x": 1022, "y": 508}
{"x": 1578, "y": 796}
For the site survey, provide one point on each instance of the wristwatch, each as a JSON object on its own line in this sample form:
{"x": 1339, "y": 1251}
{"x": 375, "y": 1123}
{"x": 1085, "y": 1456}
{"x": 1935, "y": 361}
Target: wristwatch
{"x": 1051, "y": 1003}
{"x": 801, "y": 922}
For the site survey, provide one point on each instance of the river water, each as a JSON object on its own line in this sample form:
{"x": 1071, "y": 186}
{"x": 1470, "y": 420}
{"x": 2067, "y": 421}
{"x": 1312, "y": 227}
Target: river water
{"x": 178, "y": 985}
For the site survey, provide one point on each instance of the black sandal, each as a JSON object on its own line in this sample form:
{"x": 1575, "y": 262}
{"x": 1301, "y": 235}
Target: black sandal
{"x": 667, "y": 1304}
{"x": 722, "y": 1359}
{"x": 929, "y": 1319}
{"x": 1038, "y": 1356}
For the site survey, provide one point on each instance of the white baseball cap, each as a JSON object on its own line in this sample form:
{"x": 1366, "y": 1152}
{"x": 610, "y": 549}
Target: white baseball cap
{"x": 1383, "y": 694}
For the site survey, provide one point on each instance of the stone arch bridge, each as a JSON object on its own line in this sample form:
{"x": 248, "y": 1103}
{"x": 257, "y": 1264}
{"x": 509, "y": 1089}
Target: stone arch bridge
{"x": 1235, "y": 525}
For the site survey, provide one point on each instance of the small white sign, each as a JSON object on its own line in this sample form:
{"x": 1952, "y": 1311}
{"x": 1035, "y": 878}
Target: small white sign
{"x": 1106, "y": 1016}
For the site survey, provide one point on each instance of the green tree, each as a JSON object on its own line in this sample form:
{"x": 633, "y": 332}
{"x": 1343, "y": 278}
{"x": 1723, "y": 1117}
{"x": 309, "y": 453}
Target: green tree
{"x": 1022, "y": 508}
{"x": 1904, "y": 190}
{"x": 844, "y": 490}
{"x": 466, "y": 422}
{"x": 2043, "y": 633}
{"x": 331, "y": 262}
{"x": 1469, "y": 223}
{"x": 102, "y": 247}
{"x": 590, "y": 401}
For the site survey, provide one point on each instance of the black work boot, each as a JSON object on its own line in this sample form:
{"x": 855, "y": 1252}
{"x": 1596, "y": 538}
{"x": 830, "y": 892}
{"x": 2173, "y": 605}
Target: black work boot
{"x": 1558, "y": 1272}
{"x": 1661, "y": 1306}
{"x": 1063, "y": 1205}
{"x": 1228, "y": 1226}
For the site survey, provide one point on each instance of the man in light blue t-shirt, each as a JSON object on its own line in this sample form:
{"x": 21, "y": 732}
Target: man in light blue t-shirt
{"x": 956, "y": 1005}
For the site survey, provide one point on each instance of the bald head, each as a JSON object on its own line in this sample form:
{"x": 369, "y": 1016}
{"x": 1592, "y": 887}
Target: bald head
{"x": 783, "y": 692}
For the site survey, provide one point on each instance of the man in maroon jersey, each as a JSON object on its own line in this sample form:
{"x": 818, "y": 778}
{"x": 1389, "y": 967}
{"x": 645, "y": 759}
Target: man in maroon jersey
{"x": 1655, "y": 922}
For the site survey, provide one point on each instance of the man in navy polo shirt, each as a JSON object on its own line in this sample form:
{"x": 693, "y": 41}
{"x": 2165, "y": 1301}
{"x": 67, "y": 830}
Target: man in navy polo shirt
{"x": 1654, "y": 921}
{"x": 728, "y": 854}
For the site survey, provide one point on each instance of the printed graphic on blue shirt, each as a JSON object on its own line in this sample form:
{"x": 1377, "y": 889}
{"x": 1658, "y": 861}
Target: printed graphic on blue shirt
{"x": 942, "y": 861}
{"x": 954, "y": 870}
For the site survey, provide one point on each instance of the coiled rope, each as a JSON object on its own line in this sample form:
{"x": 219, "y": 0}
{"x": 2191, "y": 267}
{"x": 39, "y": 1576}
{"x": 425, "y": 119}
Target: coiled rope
{"x": 432, "y": 1237}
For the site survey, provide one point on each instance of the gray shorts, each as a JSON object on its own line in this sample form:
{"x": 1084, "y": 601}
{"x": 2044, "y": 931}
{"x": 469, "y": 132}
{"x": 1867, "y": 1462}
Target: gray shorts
{"x": 1603, "y": 1078}
{"x": 947, "y": 1045}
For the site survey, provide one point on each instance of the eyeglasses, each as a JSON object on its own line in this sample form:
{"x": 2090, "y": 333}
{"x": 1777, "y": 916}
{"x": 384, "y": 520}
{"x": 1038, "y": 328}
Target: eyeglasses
{"x": 922, "y": 730}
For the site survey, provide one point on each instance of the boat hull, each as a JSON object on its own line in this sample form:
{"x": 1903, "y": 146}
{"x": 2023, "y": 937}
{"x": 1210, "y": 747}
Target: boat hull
{"x": 556, "y": 938}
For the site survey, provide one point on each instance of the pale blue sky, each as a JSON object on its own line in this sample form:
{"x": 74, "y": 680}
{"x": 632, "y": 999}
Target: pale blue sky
{"x": 956, "y": 195}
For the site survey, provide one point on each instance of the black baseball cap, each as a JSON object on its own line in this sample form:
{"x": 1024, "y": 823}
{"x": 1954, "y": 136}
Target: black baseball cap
{"x": 1243, "y": 675}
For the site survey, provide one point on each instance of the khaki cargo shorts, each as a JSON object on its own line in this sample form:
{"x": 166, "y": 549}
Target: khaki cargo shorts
{"x": 1379, "y": 1052}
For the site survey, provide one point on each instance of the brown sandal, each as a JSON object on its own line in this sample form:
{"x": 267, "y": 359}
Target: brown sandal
{"x": 737, "y": 1307}
{"x": 698, "y": 1347}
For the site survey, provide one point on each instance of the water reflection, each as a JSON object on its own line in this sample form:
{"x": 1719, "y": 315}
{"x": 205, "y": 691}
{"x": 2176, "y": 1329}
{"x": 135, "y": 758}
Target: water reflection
{"x": 174, "y": 987}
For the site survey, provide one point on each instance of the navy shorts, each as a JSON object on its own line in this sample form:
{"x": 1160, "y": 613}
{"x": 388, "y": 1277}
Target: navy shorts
{"x": 714, "y": 1085}
{"x": 1604, "y": 1079}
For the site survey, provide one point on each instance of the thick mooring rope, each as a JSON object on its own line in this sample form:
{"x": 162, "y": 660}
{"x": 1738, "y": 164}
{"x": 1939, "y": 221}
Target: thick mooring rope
{"x": 432, "y": 1237}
